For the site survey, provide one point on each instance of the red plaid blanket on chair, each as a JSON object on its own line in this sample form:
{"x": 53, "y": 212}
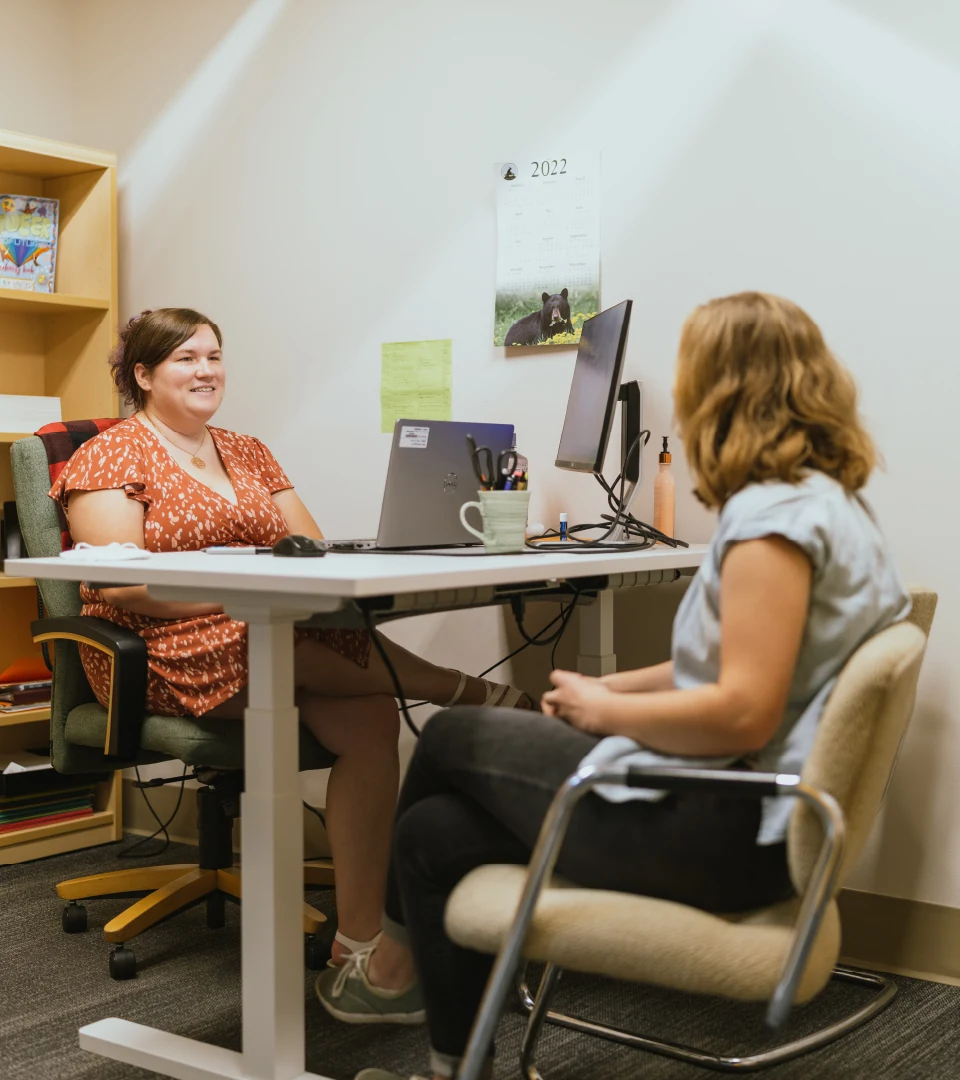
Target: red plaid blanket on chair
{"x": 61, "y": 441}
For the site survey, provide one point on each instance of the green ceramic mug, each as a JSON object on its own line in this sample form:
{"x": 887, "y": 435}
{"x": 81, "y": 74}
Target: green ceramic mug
{"x": 504, "y": 515}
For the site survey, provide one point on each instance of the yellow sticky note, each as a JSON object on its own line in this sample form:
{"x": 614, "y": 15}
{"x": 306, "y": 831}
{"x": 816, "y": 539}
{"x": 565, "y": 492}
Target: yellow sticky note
{"x": 415, "y": 381}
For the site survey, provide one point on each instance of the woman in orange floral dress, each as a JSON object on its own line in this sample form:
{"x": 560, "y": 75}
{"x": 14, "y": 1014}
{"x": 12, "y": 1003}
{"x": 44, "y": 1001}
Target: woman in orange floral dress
{"x": 165, "y": 481}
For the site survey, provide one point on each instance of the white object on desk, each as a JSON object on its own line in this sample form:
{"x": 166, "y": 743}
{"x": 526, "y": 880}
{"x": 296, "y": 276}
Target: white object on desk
{"x": 98, "y": 553}
{"x": 270, "y": 595}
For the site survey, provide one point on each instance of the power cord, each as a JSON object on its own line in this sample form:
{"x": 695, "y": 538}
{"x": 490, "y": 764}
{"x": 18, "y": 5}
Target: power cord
{"x": 564, "y": 618}
{"x": 567, "y": 614}
{"x": 128, "y": 852}
{"x": 619, "y": 516}
{"x": 516, "y": 606}
{"x": 634, "y": 526}
{"x": 510, "y": 655}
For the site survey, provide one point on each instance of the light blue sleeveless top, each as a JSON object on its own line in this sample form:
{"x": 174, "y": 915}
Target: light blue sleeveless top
{"x": 855, "y": 592}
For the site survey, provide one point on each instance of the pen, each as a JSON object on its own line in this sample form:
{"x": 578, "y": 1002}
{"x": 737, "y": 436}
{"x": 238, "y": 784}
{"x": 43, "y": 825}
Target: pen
{"x": 229, "y": 549}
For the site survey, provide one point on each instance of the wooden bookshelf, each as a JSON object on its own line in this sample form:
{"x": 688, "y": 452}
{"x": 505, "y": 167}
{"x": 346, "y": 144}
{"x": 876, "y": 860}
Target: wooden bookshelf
{"x": 16, "y": 582}
{"x": 27, "y": 303}
{"x": 57, "y": 344}
{"x": 24, "y": 716}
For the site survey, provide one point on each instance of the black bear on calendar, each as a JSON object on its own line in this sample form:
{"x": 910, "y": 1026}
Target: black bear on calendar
{"x": 553, "y": 318}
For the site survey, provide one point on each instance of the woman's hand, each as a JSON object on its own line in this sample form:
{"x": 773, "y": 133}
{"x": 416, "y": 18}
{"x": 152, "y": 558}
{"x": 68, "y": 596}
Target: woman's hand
{"x": 578, "y": 699}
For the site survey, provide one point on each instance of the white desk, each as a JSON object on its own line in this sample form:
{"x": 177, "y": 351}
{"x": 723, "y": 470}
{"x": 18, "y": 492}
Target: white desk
{"x": 270, "y": 595}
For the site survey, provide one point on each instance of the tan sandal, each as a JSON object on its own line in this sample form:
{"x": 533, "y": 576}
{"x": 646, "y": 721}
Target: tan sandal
{"x": 499, "y": 695}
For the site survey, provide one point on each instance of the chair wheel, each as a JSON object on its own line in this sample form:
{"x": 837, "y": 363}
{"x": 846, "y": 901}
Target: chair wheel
{"x": 73, "y": 919}
{"x": 123, "y": 963}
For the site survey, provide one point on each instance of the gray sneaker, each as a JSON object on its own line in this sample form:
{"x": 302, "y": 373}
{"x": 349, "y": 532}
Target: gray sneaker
{"x": 347, "y": 994}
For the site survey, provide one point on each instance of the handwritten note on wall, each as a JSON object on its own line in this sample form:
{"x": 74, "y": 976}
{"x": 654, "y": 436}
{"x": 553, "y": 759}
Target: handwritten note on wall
{"x": 415, "y": 381}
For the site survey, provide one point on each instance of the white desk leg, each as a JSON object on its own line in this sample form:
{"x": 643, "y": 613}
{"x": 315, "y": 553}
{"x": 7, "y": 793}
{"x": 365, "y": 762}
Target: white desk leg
{"x": 272, "y": 824}
{"x": 272, "y": 856}
{"x": 596, "y": 637}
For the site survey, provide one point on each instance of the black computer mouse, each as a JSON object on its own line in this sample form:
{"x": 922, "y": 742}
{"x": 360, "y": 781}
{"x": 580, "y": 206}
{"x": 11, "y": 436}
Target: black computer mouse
{"x": 300, "y": 547}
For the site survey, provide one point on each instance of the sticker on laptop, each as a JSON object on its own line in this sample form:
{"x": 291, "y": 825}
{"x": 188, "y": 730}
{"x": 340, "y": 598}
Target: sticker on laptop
{"x": 414, "y": 438}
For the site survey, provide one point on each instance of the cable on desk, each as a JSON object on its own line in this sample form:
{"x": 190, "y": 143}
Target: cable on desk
{"x": 619, "y": 518}
{"x": 646, "y": 534}
{"x": 128, "y": 852}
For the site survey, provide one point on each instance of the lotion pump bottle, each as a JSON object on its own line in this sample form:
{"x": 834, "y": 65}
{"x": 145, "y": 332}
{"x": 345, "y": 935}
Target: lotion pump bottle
{"x": 663, "y": 493}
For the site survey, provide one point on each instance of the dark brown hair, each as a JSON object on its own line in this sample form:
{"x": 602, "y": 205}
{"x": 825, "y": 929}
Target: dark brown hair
{"x": 759, "y": 396}
{"x": 148, "y": 339}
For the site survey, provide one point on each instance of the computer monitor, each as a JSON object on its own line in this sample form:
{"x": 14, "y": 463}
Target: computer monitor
{"x": 594, "y": 391}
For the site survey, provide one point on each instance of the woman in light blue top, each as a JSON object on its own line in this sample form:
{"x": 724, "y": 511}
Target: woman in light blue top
{"x": 797, "y": 577}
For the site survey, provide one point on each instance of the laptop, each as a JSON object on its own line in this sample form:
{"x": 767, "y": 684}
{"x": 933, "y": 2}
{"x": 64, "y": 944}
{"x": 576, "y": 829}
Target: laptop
{"x": 430, "y": 476}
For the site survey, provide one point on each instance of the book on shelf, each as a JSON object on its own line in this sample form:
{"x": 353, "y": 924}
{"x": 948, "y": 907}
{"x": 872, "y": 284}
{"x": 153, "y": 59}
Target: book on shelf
{"x": 7, "y": 709}
{"x": 29, "y": 227}
{"x": 45, "y": 798}
{"x": 50, "y": 819}
{"x": 32, "y": 695}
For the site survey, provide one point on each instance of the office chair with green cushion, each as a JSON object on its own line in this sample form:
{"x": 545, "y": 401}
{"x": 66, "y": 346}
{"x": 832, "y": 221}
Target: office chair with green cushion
{"x": 783, "y": 953}
{"x": 86, "y": 737}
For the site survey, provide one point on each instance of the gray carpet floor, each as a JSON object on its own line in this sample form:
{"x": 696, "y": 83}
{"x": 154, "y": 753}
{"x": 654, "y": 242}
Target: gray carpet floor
{"x": 189, "y": 983}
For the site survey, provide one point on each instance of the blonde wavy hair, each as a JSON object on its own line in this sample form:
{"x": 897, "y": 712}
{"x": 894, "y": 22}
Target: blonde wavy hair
{"x": 759, "y": 396}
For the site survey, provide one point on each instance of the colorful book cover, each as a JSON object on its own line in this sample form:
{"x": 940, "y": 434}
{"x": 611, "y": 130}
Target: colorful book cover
{"x": 28, "y": 242}
{"x": 49, "y": 820}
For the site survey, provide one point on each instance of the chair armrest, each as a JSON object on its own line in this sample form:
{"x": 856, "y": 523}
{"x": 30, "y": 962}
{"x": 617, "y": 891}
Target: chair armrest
{"x": 544, "y": 857}
{"x": 128, "y": 673}
{"x": 729, "y": 781}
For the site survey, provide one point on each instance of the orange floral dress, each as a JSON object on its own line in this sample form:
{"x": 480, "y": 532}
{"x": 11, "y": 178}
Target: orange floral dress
{"x": 194, "y": 664}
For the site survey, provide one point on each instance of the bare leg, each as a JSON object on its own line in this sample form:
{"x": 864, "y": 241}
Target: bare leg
{"x": 323, "y": 671}
{"x": 361, "y": 798}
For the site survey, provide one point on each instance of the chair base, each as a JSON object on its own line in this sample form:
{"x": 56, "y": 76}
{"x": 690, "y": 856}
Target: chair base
{"x": 168, "y": 889}
{"x": 319, "y": 872}
{"x": 540, "y": 1013}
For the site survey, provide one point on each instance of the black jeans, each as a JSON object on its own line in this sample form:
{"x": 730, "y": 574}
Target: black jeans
{"x": 477, "y": 791}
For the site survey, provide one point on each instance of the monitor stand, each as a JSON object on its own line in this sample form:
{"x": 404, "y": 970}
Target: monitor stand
{"x": 631, "y": 424}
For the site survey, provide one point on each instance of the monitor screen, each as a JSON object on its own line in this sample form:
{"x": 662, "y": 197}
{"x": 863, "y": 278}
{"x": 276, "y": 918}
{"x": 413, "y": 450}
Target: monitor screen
{"x": 593, "y": 394}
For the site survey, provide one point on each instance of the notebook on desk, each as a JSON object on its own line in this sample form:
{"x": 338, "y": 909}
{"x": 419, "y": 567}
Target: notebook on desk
{"x": 430, "y": 476}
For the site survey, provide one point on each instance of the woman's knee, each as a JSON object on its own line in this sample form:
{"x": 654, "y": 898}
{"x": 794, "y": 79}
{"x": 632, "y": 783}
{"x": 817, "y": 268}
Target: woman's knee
{"x": 378, "y": 717}
{"x": 365, "y": 723}
{"x": 475, "y": 735}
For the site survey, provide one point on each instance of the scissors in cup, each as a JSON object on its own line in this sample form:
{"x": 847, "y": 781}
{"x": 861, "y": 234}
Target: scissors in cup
{"x": 491, "y": 479}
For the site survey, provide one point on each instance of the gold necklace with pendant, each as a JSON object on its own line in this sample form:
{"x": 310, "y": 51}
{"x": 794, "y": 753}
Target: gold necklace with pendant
{"x": 196, "y": 461}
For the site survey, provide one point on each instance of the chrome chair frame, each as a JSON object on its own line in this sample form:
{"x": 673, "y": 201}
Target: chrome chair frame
{"x": 820, "y": 888}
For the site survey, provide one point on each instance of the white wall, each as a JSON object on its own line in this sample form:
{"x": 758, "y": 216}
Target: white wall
{"x": 316, "y": 176}
{"x": 37, "y": 69}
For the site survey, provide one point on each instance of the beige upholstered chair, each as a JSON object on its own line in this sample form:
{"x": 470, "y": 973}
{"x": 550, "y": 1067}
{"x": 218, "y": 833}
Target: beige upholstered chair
{"x": 784, "y": 954}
